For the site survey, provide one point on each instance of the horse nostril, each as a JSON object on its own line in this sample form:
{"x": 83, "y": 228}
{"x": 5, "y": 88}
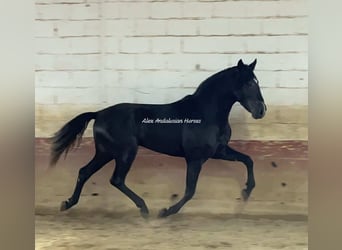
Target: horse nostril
{"x": 262, "y": 111}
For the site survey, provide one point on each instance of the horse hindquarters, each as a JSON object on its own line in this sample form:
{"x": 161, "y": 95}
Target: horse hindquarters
{"x": 120, "y": 142}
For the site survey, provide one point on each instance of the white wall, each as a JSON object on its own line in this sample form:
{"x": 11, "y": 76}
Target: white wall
{"x": 105, "y": 52}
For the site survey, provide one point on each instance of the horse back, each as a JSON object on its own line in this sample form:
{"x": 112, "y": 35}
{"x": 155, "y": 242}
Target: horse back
{"x": 146, "y": 123}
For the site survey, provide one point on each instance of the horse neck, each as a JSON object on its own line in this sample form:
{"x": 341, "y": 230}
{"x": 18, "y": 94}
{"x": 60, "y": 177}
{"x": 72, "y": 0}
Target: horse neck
{"x": 215, "y": 106}
{"x": 223, "y": 107}
{"x": 215, "y": 101}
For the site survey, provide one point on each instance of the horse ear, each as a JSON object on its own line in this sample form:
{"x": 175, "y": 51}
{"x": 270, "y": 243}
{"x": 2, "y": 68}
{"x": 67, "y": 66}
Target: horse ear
{"x": 252, "y": 65}
{"x": 240, "y": 64}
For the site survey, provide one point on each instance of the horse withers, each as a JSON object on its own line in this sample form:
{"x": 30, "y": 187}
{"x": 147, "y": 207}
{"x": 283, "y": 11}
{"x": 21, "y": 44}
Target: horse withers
{"x": 195, "y": 127}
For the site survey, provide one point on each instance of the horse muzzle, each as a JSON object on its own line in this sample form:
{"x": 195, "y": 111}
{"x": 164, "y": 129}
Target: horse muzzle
{"x": 259, "y": 110}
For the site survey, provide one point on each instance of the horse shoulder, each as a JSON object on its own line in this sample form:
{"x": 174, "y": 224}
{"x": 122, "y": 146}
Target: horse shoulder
{"x": 200, "y": 140}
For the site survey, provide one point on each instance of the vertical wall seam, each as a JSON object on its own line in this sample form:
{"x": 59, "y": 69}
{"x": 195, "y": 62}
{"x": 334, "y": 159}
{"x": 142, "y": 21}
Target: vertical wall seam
{"x": 103, "y": 96}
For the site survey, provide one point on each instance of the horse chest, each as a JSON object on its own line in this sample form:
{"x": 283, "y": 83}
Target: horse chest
{"x": 224, "y": 134}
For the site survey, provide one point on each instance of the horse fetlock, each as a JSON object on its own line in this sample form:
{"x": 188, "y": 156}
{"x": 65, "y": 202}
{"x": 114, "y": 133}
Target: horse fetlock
{"x": 188, "y": 196}
{"x": 250, "y": 185}
{"x": 245, "y": 194}
{"x": 163, "y": 213}
{"x": 144, "y": 212}
{"x": 65, "y": 205}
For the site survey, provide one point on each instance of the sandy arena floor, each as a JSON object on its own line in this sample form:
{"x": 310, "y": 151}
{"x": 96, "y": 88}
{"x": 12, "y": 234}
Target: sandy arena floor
{"x": 275, "y": 217}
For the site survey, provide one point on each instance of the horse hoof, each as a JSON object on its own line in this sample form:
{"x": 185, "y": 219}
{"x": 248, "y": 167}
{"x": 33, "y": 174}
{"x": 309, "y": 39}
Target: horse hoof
{"x": 64, "y": 206}
{"x": 245, "y": 194}
{"x": 144, "y": 213}
{"x": 162, "y": 213}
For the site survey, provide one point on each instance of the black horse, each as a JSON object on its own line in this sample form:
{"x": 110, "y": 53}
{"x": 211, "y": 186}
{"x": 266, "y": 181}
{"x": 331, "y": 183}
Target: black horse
{"x": 195, "y": 127}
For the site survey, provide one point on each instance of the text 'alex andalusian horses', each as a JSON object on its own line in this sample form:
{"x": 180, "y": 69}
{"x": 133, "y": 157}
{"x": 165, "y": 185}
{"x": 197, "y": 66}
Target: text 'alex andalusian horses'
{"x": 195, "y": 127}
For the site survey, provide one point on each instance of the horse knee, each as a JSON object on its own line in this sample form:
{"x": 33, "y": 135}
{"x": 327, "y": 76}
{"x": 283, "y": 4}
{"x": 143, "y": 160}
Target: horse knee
{"x": 248, "y": 161}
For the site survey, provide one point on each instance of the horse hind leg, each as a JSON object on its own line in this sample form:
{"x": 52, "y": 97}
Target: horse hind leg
{"x": 193, "y": 170}
{"x": 99, "y": 160}
{"x": 122, "y": 167}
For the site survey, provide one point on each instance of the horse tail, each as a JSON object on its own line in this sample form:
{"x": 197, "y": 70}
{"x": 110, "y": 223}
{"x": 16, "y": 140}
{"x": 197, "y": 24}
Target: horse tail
{"x": 64, "y": 139}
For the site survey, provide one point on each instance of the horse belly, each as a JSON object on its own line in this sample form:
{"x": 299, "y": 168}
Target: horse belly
{"x": 165, "y": 138}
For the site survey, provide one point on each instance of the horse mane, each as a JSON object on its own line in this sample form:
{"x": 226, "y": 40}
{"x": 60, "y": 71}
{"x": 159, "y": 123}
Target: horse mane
{"x": 209, "y": 85}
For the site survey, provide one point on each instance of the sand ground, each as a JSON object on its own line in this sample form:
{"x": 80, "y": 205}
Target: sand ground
{"x": 275, "y": 217}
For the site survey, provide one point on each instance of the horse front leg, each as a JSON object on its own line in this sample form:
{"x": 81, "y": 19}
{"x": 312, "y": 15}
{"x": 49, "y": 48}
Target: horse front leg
{"x": 224, "y": 152}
